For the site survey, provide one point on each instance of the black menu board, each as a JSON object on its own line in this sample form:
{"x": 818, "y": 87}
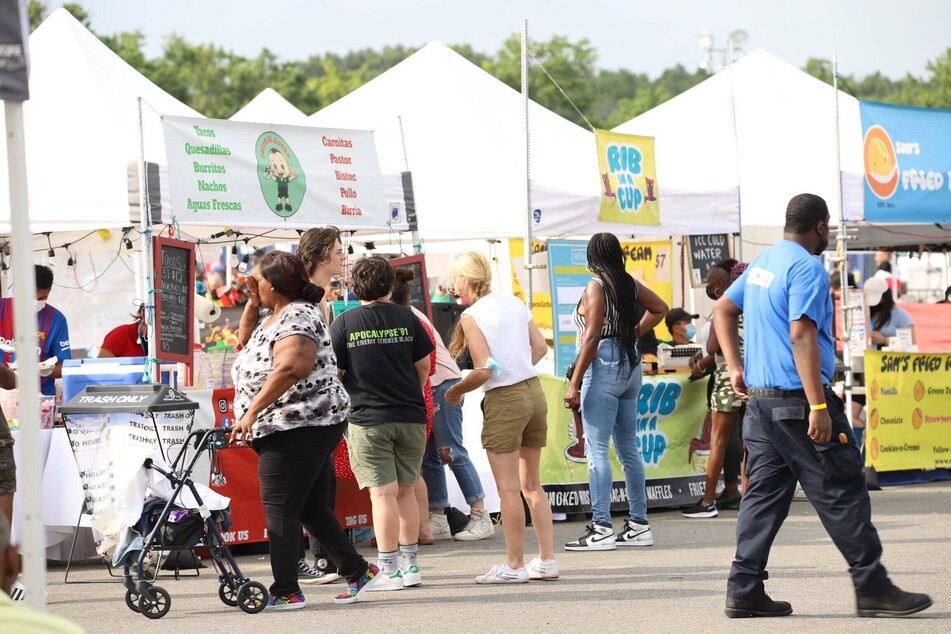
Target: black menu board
{"x": 174, "y": 281}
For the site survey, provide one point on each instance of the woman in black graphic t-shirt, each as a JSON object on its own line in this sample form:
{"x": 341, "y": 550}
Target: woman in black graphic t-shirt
{"x": 383, "y": 356}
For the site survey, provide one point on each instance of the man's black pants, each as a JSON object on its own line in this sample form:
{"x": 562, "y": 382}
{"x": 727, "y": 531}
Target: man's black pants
{"x": 780, "y": 452}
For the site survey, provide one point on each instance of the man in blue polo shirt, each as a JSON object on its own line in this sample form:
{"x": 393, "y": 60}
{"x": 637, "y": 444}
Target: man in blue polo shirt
{"x": 795, "y": 426}
{"x": 52, "y": 333}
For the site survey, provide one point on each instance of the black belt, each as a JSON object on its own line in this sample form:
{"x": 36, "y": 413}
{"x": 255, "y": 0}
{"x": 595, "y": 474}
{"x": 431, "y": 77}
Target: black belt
{"x": 768, "y": 392}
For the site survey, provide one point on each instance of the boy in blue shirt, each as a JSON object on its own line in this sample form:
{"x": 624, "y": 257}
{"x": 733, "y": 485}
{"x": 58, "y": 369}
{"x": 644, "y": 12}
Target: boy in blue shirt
{"x": 52, "y": 333}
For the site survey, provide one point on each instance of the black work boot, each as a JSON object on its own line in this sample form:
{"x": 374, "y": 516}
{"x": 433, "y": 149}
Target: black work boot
{"x": 892, "y": 602}
{"x": 760, "y": 605}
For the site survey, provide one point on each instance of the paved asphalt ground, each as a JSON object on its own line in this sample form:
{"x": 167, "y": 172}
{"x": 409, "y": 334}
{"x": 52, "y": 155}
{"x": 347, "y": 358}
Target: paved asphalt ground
{"x": 677, "y": 585}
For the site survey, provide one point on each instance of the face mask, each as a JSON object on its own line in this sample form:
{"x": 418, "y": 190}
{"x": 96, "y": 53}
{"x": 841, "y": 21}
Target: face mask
{"x": 712, "y": 294}
{"x": 690, "y": 331}
{"x": 40, "y": 305}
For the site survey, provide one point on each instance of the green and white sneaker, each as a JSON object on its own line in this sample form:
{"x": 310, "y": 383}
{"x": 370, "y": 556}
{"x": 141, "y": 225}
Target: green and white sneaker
{"x": 411, "y": 577}
{"x": 386, "y": 583}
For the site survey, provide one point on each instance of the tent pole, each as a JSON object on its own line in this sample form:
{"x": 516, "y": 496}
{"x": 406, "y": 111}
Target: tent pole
{"x": 528, "y": 170}
{"x": 842, "y": 253}
{"x": 417, "y": 245}
{"x": 153, "y": 374}
{"x": 736, "y": 146}
{"x": 32, "y": 535}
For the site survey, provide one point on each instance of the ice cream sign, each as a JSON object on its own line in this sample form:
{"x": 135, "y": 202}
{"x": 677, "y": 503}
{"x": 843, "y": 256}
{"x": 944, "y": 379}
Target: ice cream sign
{"x": 906, "y": 156}
{"x": 628, "y": 179}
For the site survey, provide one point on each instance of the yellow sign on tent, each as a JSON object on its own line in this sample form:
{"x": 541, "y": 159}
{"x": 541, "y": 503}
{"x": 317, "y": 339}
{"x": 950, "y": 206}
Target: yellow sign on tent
{"x": 629, "y": 191}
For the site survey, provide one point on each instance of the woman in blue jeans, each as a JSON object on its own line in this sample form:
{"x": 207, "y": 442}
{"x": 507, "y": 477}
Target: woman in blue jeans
{"x": 612, "y": 312}
{"x": 447, "y": 435}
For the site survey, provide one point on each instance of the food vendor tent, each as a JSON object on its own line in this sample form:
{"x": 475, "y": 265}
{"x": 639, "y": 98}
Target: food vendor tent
{"x": 784, "y": 144}
{"x": 459, "y": 131}
{"x": 81, "y": 126}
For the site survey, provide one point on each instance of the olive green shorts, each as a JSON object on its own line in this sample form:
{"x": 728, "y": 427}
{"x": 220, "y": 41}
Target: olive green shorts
{"x": 724, "y": 399}
{"x": 515, "y": 416}
{"x": 386, "y": 452}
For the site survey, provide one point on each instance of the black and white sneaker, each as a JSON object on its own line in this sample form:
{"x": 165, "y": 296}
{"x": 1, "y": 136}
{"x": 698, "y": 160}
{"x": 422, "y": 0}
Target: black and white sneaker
{"x": 18, "y": 592}
{"x": 701, "y": 511}
{"x": 596, "y": 537}
{"x": 635, "y": 534}
{"x": 308, "y": 574}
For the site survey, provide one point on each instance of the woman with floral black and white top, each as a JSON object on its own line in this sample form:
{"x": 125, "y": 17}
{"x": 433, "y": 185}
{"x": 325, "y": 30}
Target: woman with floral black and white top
{"x": 292, "y": 410}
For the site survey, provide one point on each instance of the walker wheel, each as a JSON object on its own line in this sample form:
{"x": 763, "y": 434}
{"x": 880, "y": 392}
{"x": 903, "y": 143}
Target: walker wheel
{"x": 132, "y": 600}
{"x": 227, "y": 595}
{"x": 155, "y": 602}
{"x": 252, "y": 597}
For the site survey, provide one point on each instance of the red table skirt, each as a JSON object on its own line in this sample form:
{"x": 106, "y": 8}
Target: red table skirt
{"x": 240, "y": 468}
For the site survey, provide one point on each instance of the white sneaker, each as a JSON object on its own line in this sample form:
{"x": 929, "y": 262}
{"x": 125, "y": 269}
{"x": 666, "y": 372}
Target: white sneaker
{"x": 411, "y": 576}
{"x": 386, "y": 583}
{"x": 479, "y": 527}
{"x": 439, "y": 524}
{"x": 546, "y": 570}
{"x": 18, "y": 592}
{"x": 503, "y": 574}
{"x": 635, "y": 534}
{"x": 596, "y": 537}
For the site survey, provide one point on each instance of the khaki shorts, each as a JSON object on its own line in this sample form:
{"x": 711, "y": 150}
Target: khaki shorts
{"x": 724, "y": 399}
{"x": 386, "y": 452}
{"x": 515, "y": 416}
{"x": 8, "y": 467}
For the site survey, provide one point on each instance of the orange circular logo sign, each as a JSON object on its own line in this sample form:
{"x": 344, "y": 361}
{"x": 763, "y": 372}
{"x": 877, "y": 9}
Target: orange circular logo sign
{"x": 881, "y": 162}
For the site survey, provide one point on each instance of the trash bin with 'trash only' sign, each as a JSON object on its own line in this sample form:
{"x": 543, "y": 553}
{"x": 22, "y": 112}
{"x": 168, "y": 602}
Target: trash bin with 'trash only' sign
{"x": 112, "y": 430}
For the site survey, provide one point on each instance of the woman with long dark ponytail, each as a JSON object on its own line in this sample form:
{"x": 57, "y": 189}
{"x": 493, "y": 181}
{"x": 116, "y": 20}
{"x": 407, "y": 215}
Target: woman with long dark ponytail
{"x": 614, "y": 309}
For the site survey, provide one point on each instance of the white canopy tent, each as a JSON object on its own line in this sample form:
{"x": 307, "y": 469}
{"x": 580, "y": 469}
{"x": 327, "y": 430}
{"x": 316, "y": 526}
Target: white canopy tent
{"x": 784, "y": 144}
{"x": 81, "y": 127}
{"x": 270, "y": 107}
{"x": 459, "y": 131}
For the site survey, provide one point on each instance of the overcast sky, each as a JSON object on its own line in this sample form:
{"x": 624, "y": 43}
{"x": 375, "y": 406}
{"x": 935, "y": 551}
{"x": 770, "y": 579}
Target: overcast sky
{"x": 869, "y": 35}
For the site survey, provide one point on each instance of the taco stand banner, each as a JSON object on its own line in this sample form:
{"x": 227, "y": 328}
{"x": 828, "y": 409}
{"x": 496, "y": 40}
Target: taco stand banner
{"x": 227, "y": 173}
{"x": 907, "y": 161}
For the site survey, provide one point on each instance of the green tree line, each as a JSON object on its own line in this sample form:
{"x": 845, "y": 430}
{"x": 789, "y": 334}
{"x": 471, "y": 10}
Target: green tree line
{"x": 217, "y": 82}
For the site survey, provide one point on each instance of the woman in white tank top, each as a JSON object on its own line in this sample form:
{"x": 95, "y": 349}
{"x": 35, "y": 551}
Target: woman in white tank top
{"x": 505, "y": 344}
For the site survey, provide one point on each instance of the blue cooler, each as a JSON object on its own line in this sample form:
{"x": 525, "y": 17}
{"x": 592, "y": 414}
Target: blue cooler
{"x": 78, "y": 373}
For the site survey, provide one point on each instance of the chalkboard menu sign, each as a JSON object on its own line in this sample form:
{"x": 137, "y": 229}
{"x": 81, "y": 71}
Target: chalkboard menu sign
{"x": 174, "y": 281}
{"x": 419, "y": 285}
{"x": 705, "y": 251}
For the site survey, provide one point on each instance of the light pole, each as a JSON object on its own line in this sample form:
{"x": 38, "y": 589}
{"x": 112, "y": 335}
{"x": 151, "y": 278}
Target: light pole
{"x": 734, "y": 42}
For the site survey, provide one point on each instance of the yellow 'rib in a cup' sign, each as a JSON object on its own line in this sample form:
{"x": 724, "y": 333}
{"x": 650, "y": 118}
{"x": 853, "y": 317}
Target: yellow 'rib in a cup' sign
{"x": 629, "y": 191}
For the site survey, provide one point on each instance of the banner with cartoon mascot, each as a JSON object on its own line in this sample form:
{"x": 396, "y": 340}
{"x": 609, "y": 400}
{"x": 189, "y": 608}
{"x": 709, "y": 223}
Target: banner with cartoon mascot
{"x": 671, "y": 436}
{"x": 907, "y": 162}
{"x": 227, "y": 173}
{"x": 908, "y": 422}
{"x": 629, "y": 191}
